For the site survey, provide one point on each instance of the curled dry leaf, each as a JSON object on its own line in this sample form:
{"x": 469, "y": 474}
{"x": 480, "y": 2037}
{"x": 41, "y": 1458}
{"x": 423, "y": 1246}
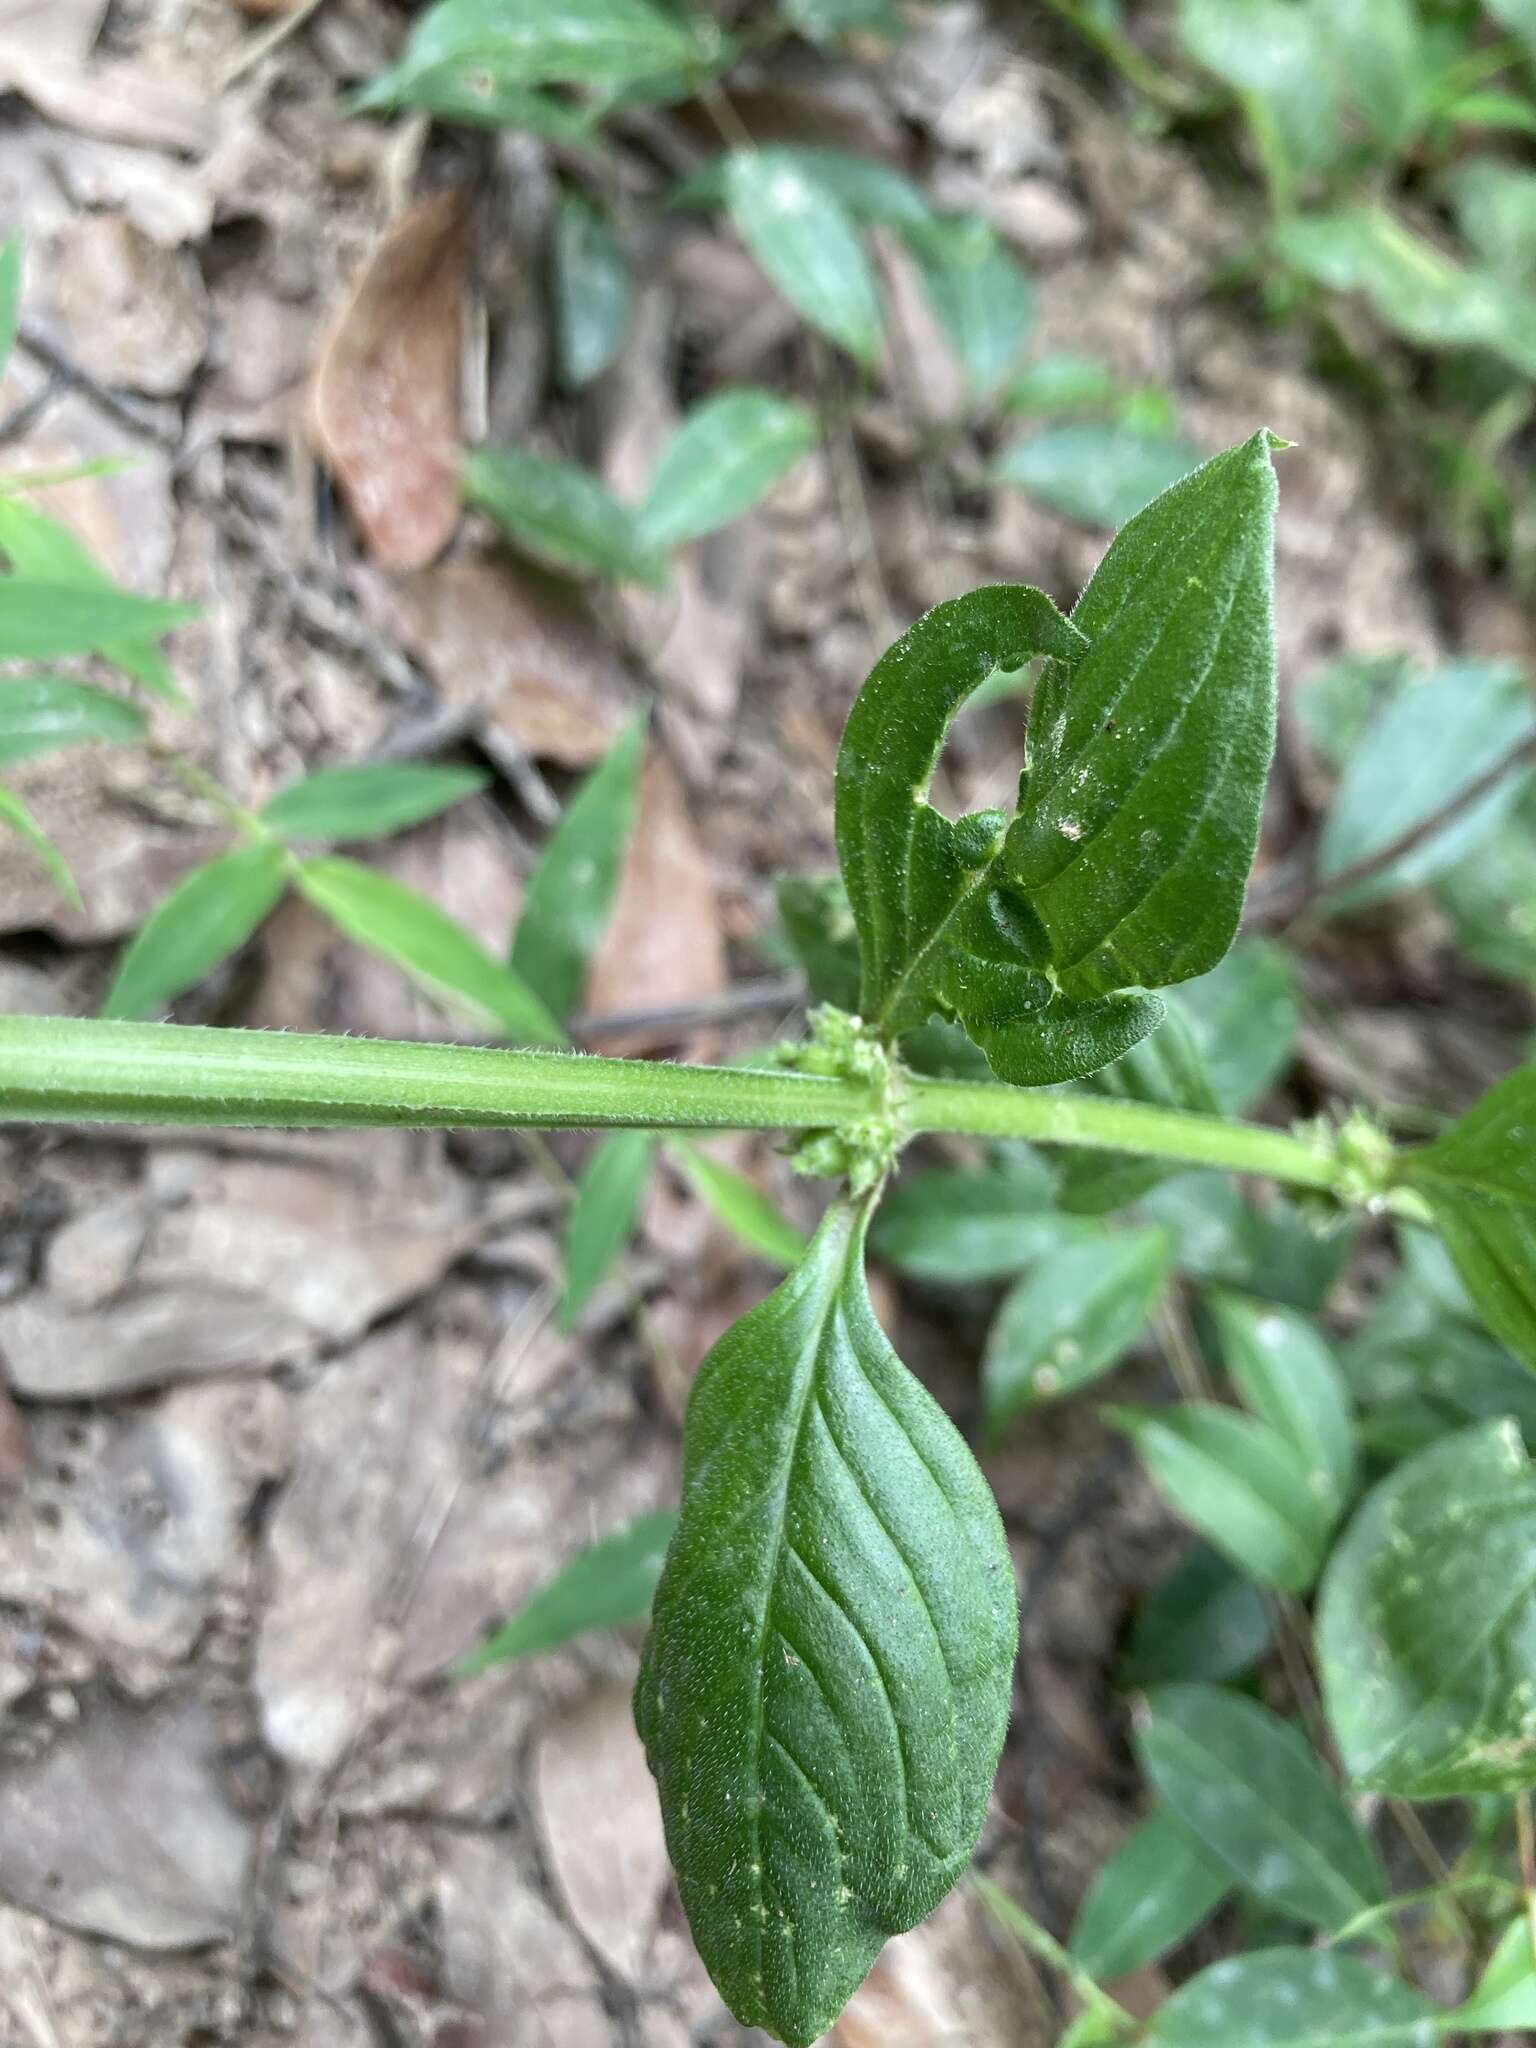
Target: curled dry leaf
{"x": 384, "y": 410}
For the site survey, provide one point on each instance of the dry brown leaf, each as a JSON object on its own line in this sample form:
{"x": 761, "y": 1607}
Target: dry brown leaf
{"x": 663, "y": 945}
{"x": 524, "y": 651}
{"x": 384, "y": 411}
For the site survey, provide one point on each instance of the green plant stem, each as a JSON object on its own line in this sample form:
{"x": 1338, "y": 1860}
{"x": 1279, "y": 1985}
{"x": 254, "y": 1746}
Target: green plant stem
{"x": 1025, "y": 1928}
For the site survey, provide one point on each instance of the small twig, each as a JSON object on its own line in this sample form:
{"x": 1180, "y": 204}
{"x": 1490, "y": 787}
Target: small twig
{"x": 747, "y": 999}
{"x": 266, "y": 40}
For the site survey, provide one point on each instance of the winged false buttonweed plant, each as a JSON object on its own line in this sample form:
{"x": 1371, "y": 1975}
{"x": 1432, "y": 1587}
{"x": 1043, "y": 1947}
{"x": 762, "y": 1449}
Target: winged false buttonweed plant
{"x": 826, "y": 1685}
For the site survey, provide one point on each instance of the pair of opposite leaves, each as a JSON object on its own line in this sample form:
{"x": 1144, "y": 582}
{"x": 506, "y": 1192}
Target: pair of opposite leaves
{"x": 826, "y": 1684}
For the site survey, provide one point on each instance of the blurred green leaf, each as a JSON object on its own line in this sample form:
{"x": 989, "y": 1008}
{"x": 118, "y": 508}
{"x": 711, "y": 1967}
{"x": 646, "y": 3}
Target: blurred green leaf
{"x": 602, "y": 1218}
{"x": 521, "y": 43}
{"x": 1426, "y": 1625}
{"x": 206, "y": 917}
{"x": 1384, "y": 62}
{"x": 1071, "y": 1318}
{"x": 592, "y": 291}
{"x": 41, "y": 712}
{"x": 1245, "y": 1016}
{"x": 1060, "y": 385}
{"x": 1239, "y": 1483}
{"x": 559, "y": 513}
{"x": 445, "y": 960}
{"x": 476, "y": 96}
{"x": 605, "y": 1586}
{"x": 1276, "y": 54}
{"x": 1505, "y": 1998}
{"x": 1101, "y": 474}
{"x": 1286, "y": 1375}
{"x": 1520, "y": 17}
{"x": 1495, "y": 206}
{"x": 1249, "y": 1787}
{"x": 1167, "y": 1068}
{"x": 818, "y": 922}
{"x": 980, "y": 295}
{"x": 959, "y": 1225}
{"x": 10, "y": 295}
{"x": 570, "y": 893}
{"x": 822, "y": 21}
{"x": 1157, "y": 1887}
{"x": 41, "y": 548}
{"x": 14, "y": 813}
{"x": 1286, "y": 1253}
{"x": 727, "y": 454}
{"x": 1204, "y": 1620}
{"x": 1294, "y": 1998}
{"x": 41, "y": 620}
{"x": 367, "y": 800}
{"x": 1478, "y": 713}
{"x": 741, "y": 1206}
{"x": 1491, "y": 897}
{"x": 806, "y": 241}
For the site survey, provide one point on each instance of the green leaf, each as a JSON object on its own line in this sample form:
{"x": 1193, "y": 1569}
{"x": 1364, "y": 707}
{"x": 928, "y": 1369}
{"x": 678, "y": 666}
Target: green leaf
{"x": 366, "y": 801}
{"x": 1167, "y": 1068}
{"x": 1480, "y": 1181}
{"x": 1289, "y": 1378}
{"x": 439, "y": 955}
{"x": 741, "y": 1206}
{"x": 519, "y": 43}
{"x": 1245, "y": 1014}
{"x": 1070, "y": 1320}
{"x": 558, "y": 513}
{"x": 1384, "y": 63}
{"x": 1294, "y": 1998}
{"x": 39, "y": 621}
{"x": 39, "y": 713}
{"x": 1203, "y": 1621}
{"x": 1057, "y": 386}
{"x": 1152, "y": 1892}
{"x": 806, "y": 242}
{"x": 1239, "y": 1483}
{"x": 818, "y": 923}
{"x": 14, "y": 813}
{"x": 1505, "y": 1998}
{"x": 605, "y": 1586}
{"x": 1148, "y": 757}
{"x": 825, "y": 1689}
{"x": 10, "y": 295}
{"x": 1496, "y": 211}
{"x": 1519, "y": 16}
{"x": 1287, "y": 1253}
{"x": 979, "y": 293}
{"x": 727, "y": 454}
{"x": 1275, "y": 54}
{"x": 1478, "y": 712}
{"x": 1426, "y": 1627}
{"x": 958, "y": 1225}
{"x": 592, "y": 292}
{"x": 570, "y": 892}
{"x": 477, "y": 96}
{"x": 1100, "y": 474}
{"x": 1491, "y": 898}
{"x": 872, "y": 192}
{"x": 42, "y": 549}
{"x": 934, "y": 930}
{"x": 822, "y": 21}
{"x": 602, "y": 1218}
{"x": 1249, "y": 1787}
{"x": 207, "y": 916}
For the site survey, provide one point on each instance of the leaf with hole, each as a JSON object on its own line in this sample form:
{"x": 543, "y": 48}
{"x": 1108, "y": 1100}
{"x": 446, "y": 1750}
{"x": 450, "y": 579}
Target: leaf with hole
{"x": 806, "y": 242}
{"x": 439, "y": 955}
{"x": 1070, "y": 1320}
{"x": 1480, "y": 1182}
{"x": 571, "y": 891}
{"x": 1150, "y": 1895}
{"x": 728, "y": 453}
{"x": 825, "y": 1689}
{"x": 592, "y": 291}
{"x": 1098, "y": 474}
{"x": 603, "y": 1214}
{"x": 740, "y": 1205}
{"x": 41, "y": 712}
{"x": 1426, "y": 1626}
{"x": 368, "y": 800}
{"x": 560, "y": 514}
{"x": 1249, "y": 1787}
{"x": 1243, "y": 1486}
{"x": 206, "y": 917}
{"x": 610, "y": 1583}
{"x": 1295, "y": 1998}
{"x": 1287, "y": 1375}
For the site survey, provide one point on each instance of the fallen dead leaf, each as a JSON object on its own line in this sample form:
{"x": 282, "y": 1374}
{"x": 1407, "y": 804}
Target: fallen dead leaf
{"x": 120, "y": 1828}
{"x": 135, "y": 314}
{"x": 384, "y": 411}
{"x": 597, "y": 1810}
{"x": 506, "y": 1955}
{"x": 663, "y": 945}
{"x": 947, "y": 1984}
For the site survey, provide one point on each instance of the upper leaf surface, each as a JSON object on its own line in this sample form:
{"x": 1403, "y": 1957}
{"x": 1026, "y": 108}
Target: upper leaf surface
{"x": 529, "y": 43}
{"x": 728, "y": 453}
{"x": 607, "y": 1584}
{"x": 206, "y": 917}
{"x": 1295, "y": 1998}
{"x": 561, "y": 514}
{"x": 367, "y": 799}
{"x": 805, "y": 240}
{"x": 825, "y": 1688}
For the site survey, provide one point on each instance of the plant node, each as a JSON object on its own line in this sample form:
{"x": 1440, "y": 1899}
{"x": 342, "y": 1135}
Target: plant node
{"x": 843, "y": 1047}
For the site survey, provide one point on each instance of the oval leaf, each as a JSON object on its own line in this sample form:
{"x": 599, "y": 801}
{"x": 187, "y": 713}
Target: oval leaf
{"x": 956, "y": 1225}
{"x": 206, "y": 917}
{"x": 603, "y": 1587}
{"x": 592, "y": 292}
{"x": 602, "y": 1218}
{"x": 437, "y": 952}
{"x": 1427, "y": 1624}
{"x": 39, "y": 713}
{"x": 1071, "y": 1319}
{"x": 366, "y": 801}
{"x": 1286, "y": 1373}
{"x": 1101, "y": 475}
{"x": 1205, "y": 1620}
{"x": 1156, "y": 1889}
{"x": 560, "y": 514}
{"x": 527, "y": 42}
{"x": 825, "y": 1689}
{"x": 728, "y": 453}
{"x": 980, "y": 296}
{"x": 1248, "y": 1786}
{"x": 809, "y": 247}
{"x": 1242, "y": 1486}
{"x": 1295, "y": 1998}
